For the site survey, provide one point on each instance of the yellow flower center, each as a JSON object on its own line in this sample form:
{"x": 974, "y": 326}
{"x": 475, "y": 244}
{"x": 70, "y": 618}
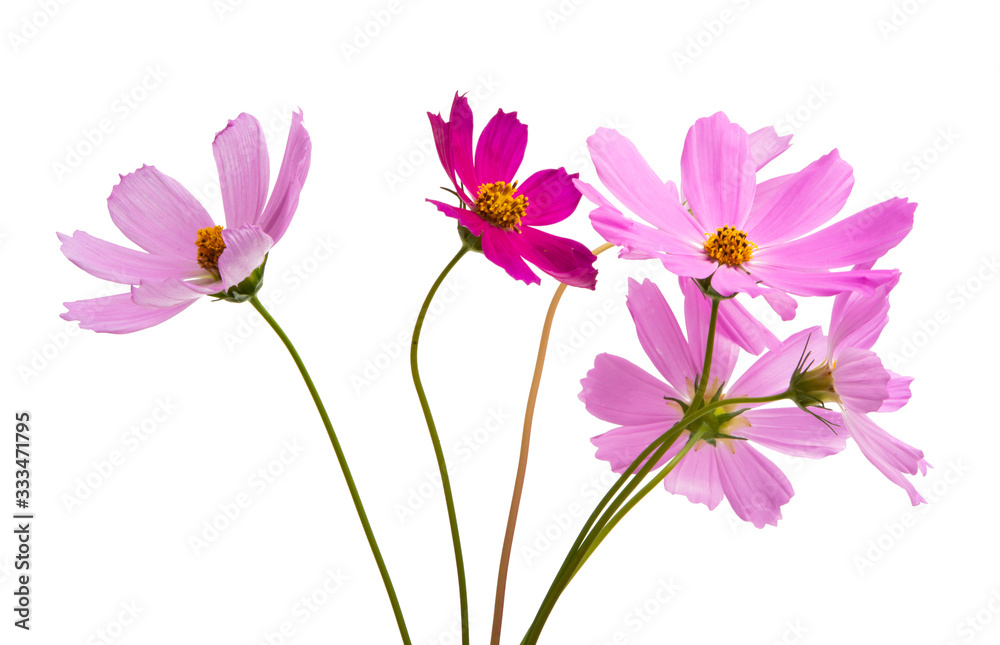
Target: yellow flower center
{"x": 210, "y": 247}
{"x": 497, "y": 205}
{"x": 729, "y": 245}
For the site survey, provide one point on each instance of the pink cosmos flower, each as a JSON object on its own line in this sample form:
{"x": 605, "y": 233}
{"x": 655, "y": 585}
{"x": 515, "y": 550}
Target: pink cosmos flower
{"x": 723, "y": 463}
{"x": 184, "y": 254}
{"x": 750, "y": 238}
{"x": 503, "y": 213}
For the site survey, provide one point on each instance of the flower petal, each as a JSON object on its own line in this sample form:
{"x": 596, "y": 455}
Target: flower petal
{"x": 771, "y": 373}
{"x": 737, "y": 324}
{"x": 621, "y": 446}
{"x": 899, "y": 392}
{"x": 170, "y": 292}
{"x": 697, "y": 316}
{"x": 244, "y": 170}
{"x": 552, "y": 197}
{"x": 564, "y": 259}
{"x": 120, "y": 264}
{"x": 118, "y": 314}
{"x": 500, "y": 148}
{"x": 754, "y": 486}
{"x": 157, "y": 213}
{"x": 460, "y": 138}
{"x": 858, "y": 320}
{"x": 618, "y": 391}
{"x": 820, "y": 283}
{"x": 284, "y": 198}
{"x": 892, "y": 457}
{"x": 465, "y": 217}
{"x": 246, "y": 249}
{"x": 499, "y": 247}
{"x": 442, "y": 141}
{"x": 660, "y": 334}
{"x": 696, "y": 477}
{"x": 718, "y": 174}
{"x": 860, "y": 380}
{"x": 794, "y": 432}
{"x": 765, "y": 145}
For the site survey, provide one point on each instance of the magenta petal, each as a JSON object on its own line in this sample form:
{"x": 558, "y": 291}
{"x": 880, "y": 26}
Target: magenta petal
{"x": 246, "y": 249}
{"x": 863, "y": 237}
{"x": 169, "y": 293}
{"x": 157, "y": 213}
{"x": 118, "y": 314}
{"x": 500, "y": 148}
{"x": 795, "y": 432}
{"x": 123, "y": 265}
{"x": 460, "y": 136}
{"x": 552, "y": 197}
{"x": 860, "y": 380}
{"x": 619, "y": 391}
{"x": 630, "y": 179}
{"x": 718, "y": 174}
{"x": 765, "y": 145}
{"x": 244, "y": 170}
{"x": 803, "y": 201}
{"x": 771, "y": 373}
{"x": 465, "y": 217}
{"x": 899, "y": 392}
{"x": 660, "y": 335}
{"x": 499, "y": 247}
{"x": 892, "y": 457}
{"x": 754, "y": 486}
{"x": 564, "y": 259}
{"x": 696, "y": 477}
{"x": 284, "y": 199}
{"x": 442, "y": 141}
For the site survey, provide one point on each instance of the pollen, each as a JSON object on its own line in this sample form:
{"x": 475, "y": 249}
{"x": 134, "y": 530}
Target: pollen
{"x": 729, "y": 245}
{"x": 497, "y": 205}
{"x": 210, "y": 247}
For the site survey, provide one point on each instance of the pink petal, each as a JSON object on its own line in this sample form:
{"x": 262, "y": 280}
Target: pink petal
{"x": 857, "y": 320}
{"x": 729, "y": 280}
{"x": 621, "y": 446}
{"x": 660, "y": 335}
{"x": 630, "y": 179}
{"x": 696, "y": 477}
{"x": 118, "y": 314}
{"x": 892, "y": 457}
{"x": 860, "y": 380}
{"x": 465, "y": 217}
{"x": 244, "y": 171}
{"x": 765, "y": 145}
{"x": 718, "y": 174}
{"x": 802, "y": 202}
{"x": 618, "y": 391}
{"x": 499, "y": 248}
{"x": 771, "y": 373}
{"x": 737, "y": 324}
{"x": 564, "y": 259}
{"x": 820, "y": 283}
{"x": 754, "y": 486}
{"x": 284, "y": 199}
{"x": 552, "y": 197}
{"x": 782, "y": 303}
{"x": 170, "y": 292}
{"x": 795, "y": 432}
{"x": 119, "y": 264}
{"x": 899, "y": 392}
{"x": 157, "y": 213}
{"x": 246, "y": 249}
{"x": 500, "y": 148}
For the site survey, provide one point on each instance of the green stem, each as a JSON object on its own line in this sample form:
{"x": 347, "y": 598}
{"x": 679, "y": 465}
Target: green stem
{"x": 699, "y": 396}
{"x": 343, "y": 466}
{"x": 438, "y": 453}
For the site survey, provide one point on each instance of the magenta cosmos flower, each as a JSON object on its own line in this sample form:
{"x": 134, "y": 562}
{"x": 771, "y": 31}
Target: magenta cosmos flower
{"x": 502, "y": 213}
{"x": 185, "y": 255}
{"x": 723, "y": 463}
{"x": 750, "y": 238}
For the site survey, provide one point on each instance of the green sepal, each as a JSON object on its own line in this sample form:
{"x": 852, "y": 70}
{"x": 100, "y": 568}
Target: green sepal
{"x": 246, "y": 289}
{"x": 469, "y": 240}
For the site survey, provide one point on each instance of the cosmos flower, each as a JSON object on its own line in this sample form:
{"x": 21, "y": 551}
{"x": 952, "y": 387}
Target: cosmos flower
{"x": 502, "y": 213}
{"x": 750, "y": 238}
{"x": 185, "y": 255}
{"x": 723, "y": 463}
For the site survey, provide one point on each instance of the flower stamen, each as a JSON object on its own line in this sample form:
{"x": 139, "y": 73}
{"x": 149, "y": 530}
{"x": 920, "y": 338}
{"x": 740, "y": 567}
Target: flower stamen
{"x": 729, "y": 245}
{"x": 210, "y": 246}
{"x": 497, "y": 205}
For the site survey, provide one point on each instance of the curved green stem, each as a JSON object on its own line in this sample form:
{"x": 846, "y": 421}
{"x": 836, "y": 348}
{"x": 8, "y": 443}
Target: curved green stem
{"x": 699, "y": 396}
{"x": 438, "y": 453}
{"x": 343, "y": 466}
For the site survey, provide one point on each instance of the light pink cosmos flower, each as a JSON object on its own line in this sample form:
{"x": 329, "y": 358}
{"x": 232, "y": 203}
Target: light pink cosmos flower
{"x": 503, "y": 213}
{"x": 750, "y": 238}
{"x": 185, "y": 255}
{"x": 723, "y": 464}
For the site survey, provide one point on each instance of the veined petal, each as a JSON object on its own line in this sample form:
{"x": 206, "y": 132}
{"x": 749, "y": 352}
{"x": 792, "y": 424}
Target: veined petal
{"x": 718, "y": 173}
{"x": 771, "y": 373}
{"x": 460, "y": 136}
{"x": 737, "y": 324}
{"x": 552, "y": 197}
{"x": 618, "y": 391}
{"x": 244, "y": 170}
{"x": 284, "y": 199}
{"x": 783, "y": 304}
{"x": 123, "y": 265}
{"x": 754, "y": 486}
{"x": 170, "y": 292}
{"x": 899, "y": 392}
{"x": 820, "y": 283}
{"x": 157, "y": 213}
{"x": 765, "y": 145}
{"x": 728, "y": 280}
{"x": 118, "y": 314}
{"x": 564, "y": 259}
{"x": 696, "y": 477}
{"x": 499, "y": 248}
{"x": 621, "y": 446}
{"x": 246, "y": 249}
{"x": 860, "y": 380}
{"x": 857, "y": 320}
{"x": 500, "y": 148}
{"x": 892, "y": 457}
{"x": 660, "y": 334}
{"x": 795, "y": 432}
{"x": 442, "y": 142}
{"x": 465, "y": 217}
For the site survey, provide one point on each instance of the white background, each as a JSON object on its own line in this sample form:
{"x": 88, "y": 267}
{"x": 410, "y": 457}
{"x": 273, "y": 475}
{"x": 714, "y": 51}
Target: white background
{"x": 911, "y": 105}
